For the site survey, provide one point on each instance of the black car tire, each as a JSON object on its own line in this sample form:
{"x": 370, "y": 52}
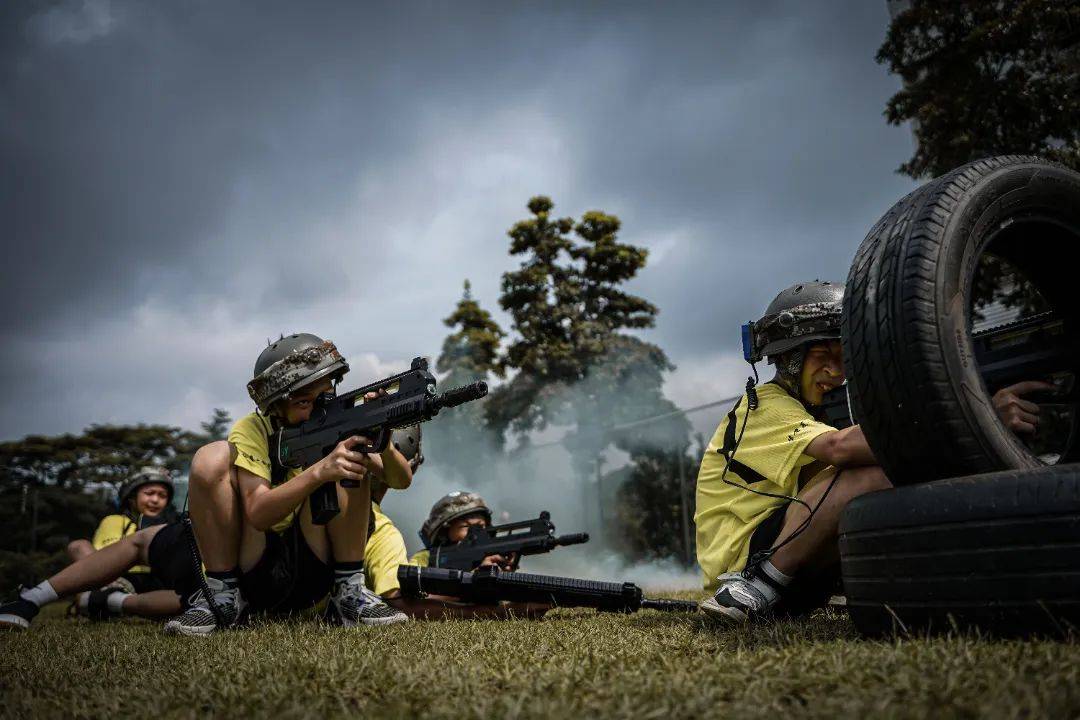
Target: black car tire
{"x": 999, "y": 552}
{"x": 913, "y": 384}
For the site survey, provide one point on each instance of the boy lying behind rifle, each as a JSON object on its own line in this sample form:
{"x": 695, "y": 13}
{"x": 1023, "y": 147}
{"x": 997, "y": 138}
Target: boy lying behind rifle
{"x": 448, "y": 523}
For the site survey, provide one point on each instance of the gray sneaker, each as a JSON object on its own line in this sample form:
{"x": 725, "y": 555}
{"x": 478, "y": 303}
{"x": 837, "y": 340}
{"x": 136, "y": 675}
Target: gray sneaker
{"x": 199, "y": 618}
{"x": 737, "y": 600}
{"x": 351, "y": 604}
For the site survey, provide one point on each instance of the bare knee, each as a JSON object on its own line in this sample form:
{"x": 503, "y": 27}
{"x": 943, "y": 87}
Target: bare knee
{"x": 211, "y": 464}
{"x": 862, "y": 480}
{"x": 143, "y": 538}
{"x": 78, "y": 549}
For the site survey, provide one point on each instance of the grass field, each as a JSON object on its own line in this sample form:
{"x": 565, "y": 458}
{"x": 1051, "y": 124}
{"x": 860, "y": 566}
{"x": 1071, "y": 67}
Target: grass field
{"x": 571, "y": 664}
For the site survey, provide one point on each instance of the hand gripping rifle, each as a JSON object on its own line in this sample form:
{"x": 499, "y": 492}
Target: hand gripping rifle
{"x": 528, "y": 537}
{"x": 489, "y": 584}
{"x": 410, "y": 399}
{"x": 1039, "y": 347}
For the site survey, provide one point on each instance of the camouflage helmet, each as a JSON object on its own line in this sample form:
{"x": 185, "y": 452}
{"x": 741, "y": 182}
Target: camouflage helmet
{"x": 800, "y": 315}
{"x": 145, "y": 476}
{"x": 449, "y": 508}
{"x": 291, "y": 363}
{"x": 407, "y": 442}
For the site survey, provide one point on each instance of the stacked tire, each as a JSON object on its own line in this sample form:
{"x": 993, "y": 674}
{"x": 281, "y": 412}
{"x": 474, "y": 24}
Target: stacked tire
{"x": 998, "y": 551}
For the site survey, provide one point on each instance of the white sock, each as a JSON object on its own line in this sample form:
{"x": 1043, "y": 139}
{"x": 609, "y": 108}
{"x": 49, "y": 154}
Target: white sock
{"x": 41, "y": 594}
{"x": 84, "y": 600}
{"x": 775, "y": 577}
{"x": 115, "y": 602}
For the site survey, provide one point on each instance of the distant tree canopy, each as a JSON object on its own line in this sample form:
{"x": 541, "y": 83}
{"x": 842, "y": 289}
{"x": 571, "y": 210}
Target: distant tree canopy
{"x": 459, "y": 437}
{"x": 43, "y": 478}
{"x": 986, "y": 77}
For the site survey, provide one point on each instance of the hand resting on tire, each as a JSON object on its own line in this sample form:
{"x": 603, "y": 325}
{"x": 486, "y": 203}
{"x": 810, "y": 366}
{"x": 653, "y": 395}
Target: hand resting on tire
{"x": 1020, "y": 415}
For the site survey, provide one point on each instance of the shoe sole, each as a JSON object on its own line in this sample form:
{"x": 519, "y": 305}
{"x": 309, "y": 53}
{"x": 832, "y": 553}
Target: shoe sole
{"x": 729, "y": 615}
{"x": 14, "y": 622}
{"x": 385, "y": 621}
{"x": 199, "y": 631}
{"x": 333, "y": 617}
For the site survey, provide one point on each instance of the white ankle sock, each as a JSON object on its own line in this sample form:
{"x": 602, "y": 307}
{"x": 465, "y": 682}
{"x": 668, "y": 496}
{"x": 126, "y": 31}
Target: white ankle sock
{"x": 41, "y": 594}
{"x": 775, "y": 577}
{"x": 115, "y": 602}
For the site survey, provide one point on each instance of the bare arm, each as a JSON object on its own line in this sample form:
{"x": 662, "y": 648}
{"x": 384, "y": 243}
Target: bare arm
{"x": 264, "y": 505}
{"x": 396, "y": 472}
{"x": 842, "y": 448}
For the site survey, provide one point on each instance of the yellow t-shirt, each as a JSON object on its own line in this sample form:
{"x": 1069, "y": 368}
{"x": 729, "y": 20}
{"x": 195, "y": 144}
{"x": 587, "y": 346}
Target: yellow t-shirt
{"x": 384, "y": 552}
{"x": 249, "y": 437}
{"x": 421, "y": 559}
{"x": 111, "y": 529}
{"x": 772, "y": 446}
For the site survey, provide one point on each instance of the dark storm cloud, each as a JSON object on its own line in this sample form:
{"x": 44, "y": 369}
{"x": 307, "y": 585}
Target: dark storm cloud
{"x": 188, "y": 179}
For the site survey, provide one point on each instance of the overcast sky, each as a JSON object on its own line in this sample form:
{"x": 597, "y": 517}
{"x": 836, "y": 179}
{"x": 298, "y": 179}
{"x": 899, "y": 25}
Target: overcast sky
{"x": 184, "y": 180}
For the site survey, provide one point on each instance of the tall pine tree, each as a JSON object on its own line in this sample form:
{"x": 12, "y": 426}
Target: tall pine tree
{"x": 575, "y": 363}
{"x": 459, "y": 437}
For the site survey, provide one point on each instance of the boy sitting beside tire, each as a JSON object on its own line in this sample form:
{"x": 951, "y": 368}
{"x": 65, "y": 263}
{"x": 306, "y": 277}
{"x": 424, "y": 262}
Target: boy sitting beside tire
{"x": 775, "y": 479}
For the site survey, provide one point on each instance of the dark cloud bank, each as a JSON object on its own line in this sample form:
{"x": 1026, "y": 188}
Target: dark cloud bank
{"x": 186, "y": 179}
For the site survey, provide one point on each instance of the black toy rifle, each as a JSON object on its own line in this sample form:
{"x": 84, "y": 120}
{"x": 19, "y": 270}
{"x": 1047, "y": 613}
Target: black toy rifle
{"x": 1040, "y": 347}
{"x": 410, "y": 399}
{"x": 528, "y": 537}
{"x": 1036, "y": 348}
{"x": 489, "y": 585}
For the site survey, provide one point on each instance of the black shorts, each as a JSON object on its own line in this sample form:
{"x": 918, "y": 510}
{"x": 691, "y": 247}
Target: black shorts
{"x": 144, "y": 582}
{"x": 808, "y": 591}
{"x": 289, "y": 576}
{"x": 171, "y": 564}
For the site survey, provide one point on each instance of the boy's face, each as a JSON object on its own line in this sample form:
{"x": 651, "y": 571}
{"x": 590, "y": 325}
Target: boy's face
{"x": 458, "y": 529}
{"x": 822, "y": 370}
{"x": 297, "y": 408}
{"x": 151, "y": 499}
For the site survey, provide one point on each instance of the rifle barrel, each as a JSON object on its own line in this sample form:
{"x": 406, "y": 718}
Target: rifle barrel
{"x": 572, "y": 539}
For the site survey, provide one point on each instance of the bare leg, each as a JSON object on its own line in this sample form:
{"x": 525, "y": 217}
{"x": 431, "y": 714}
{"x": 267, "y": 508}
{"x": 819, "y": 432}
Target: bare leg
{"x": 159, "y": 603}
{"x": 105, "y": 565}
{"x": 816, "y": 546}
{"x": 78, "y": 549}
{"x": 215, "y": 506}
{"x": 225, "y": 540}
{"x": 349, "y": 530}
{"x": 344, "y": 538}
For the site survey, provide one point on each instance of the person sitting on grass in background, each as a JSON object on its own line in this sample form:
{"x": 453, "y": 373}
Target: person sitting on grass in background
{"x": 144, "y": 500}
{"x": 164, "y": 550}
{"x": 763, "y": 550}
{"x": 252, "y": 517}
